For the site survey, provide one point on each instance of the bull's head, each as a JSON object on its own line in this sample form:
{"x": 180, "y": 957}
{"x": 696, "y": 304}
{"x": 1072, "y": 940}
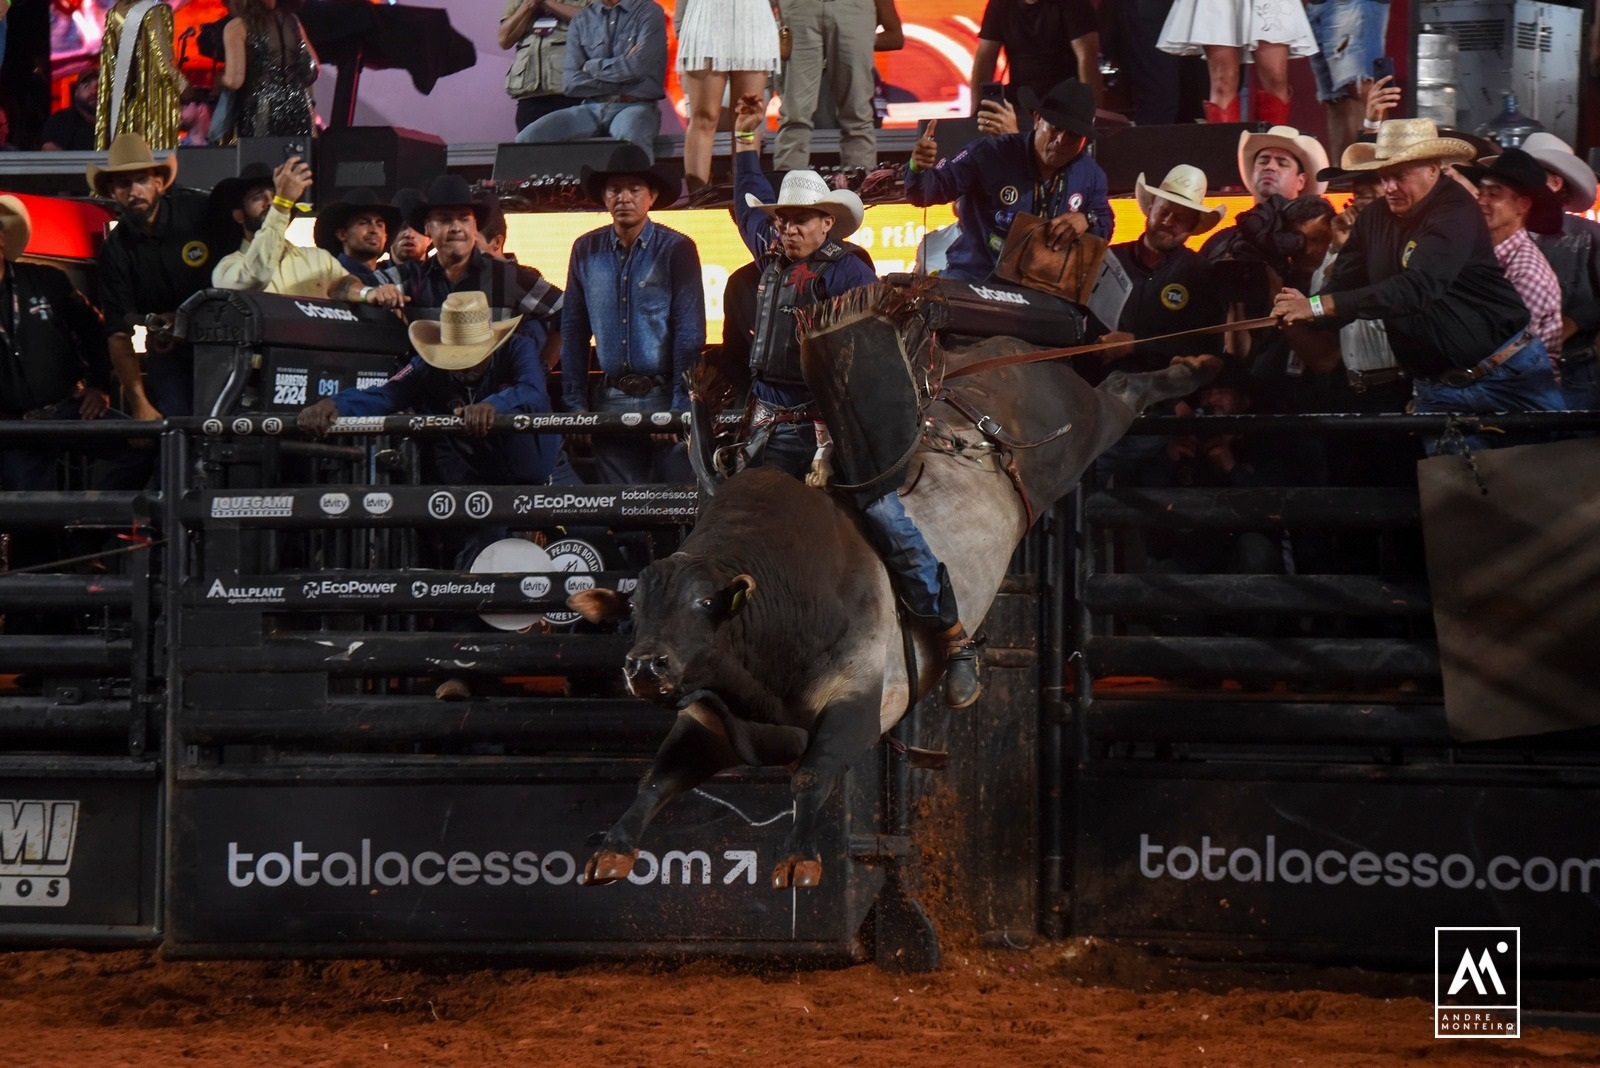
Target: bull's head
{"x": 679, "y": 610}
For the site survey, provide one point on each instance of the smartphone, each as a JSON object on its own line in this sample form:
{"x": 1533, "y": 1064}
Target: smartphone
{"x": 1383, "y": 67}
{"x": 995, "y": 91}
{"x": 292, "y": 149}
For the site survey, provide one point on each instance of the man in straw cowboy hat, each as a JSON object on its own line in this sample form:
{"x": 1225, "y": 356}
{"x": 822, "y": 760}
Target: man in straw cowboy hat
{"x": 634, "y": 288}
{"x": 262, "y": 200}
{"x": 1422, "y": 261}
{"x": 1574, "y": 255}
{"x": 160, "y": 255}
{"x": 1173, "y": 288}
{"x": 1045, "y": 171}
{"x": 798, "y": 235}
{"x": 466, "y": 365}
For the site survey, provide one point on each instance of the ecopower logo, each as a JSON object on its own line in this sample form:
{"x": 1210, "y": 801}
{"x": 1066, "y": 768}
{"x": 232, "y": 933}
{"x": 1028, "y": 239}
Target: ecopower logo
{"x": 1477, "y": 976}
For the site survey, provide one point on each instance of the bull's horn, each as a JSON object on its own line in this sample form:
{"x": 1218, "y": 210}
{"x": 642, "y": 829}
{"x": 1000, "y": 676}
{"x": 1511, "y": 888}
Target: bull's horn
{"x": 740, "y": 589}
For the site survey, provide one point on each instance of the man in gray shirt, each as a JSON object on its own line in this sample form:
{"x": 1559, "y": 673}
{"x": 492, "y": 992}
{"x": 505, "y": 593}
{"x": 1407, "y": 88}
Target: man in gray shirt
{"x": 617, "y": 66}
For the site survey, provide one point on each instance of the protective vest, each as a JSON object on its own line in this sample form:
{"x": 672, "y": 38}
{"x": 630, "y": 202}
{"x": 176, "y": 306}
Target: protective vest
{"x": 784, "y": 288}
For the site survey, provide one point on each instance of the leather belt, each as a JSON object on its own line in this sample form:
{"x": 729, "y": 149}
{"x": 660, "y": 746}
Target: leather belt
{"x": 763, "y": 414}
{"x": 1363, "y": 380}
{"x": 636, "y": 385}
{"x": 1461, "y": 377}
{"x": 617, "y": 98}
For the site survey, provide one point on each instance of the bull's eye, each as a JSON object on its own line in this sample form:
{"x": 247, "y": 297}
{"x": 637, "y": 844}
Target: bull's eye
{"x": 705, "y": 603}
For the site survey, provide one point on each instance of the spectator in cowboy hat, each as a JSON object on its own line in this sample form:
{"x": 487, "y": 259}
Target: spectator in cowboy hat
{"x": 1422, "y": 261}
{"x": 355, "y": 231}
{"x": 635, "y": 288}
{"x": 1046, "y": 171}
{"x": 262, "y": 200}
{"x": 1574, "y": 254}
{"x": 161, "y": 255}
{"x": 451, "y": 216}
{"x": 1515, "y": 200}
{"x": 1282, "y": 162}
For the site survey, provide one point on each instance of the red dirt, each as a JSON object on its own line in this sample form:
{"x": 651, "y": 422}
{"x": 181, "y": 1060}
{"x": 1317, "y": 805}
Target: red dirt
{"x": 1081, "y": 1002}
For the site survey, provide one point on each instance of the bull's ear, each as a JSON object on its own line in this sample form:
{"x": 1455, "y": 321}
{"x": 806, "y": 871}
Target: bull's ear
{"x": 599, "y": 605}
{"x": 738, "y": 593}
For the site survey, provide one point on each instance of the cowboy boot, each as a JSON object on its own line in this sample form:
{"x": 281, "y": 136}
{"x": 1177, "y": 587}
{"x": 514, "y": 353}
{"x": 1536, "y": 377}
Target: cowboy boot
{"x": 1272, "y": 110}
{"x": 1215, "y": 114}
{"x": 961, "y": 684}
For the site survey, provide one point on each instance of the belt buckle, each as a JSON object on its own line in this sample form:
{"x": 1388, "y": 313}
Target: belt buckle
{"x": 761, "y": 416}
{"x": 1459, "y": 378}
{"x": 634, "y": 385}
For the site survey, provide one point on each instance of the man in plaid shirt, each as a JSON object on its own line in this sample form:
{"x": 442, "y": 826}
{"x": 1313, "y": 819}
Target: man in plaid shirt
{"x": 1515, "y": 199}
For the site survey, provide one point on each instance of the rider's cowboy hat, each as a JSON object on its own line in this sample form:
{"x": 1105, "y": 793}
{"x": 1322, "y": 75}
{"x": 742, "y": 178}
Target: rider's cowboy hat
{"x": 1184, "y": 186}
{"x": 1068, "y": 106}
{"x": 336, "y": 216}
{"x": 1405, "y": 141}
{"x": 807, "y": 189}
{"x": 1303, "y": 147}
{"x": 230, "y": 192}
{"x": 1556, "y": 155}
{"x": 130, "y": 152}
{"x": 447, "y": 191}
{"x": 463, "y": 336}
{"x": 1519, "y": 171}
{"x": 17, "y": 223}
{"x": 629, "y": 159}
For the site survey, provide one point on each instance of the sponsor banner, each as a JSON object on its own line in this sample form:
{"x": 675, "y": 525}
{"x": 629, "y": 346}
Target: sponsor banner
{"x": 291, "y": 390}
{"x": 529, "y": 506}
{"x": 77, "y": 851}
{"x": 479, "y": 862}
{"x": 1328, "y": 864}
{"x": 406, "y": 591}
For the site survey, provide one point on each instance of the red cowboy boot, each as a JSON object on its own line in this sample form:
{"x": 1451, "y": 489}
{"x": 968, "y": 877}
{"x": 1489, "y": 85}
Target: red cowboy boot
{"x": 1272, "y": 110}
{"x": 1216, "y": 114}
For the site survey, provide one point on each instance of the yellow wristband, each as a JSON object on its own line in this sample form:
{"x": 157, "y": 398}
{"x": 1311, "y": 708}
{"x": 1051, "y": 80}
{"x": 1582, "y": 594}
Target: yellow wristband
{"x": 283, "y": 202}
{"x": 745, "y": 136}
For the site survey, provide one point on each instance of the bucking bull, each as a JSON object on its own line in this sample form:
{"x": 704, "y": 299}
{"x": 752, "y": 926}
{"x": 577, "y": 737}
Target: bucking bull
{"x": 774, "y": 629}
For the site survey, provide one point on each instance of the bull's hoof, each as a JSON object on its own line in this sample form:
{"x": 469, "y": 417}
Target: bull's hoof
{"x": 797, "y": 872}
{"x": 607, "y": 867}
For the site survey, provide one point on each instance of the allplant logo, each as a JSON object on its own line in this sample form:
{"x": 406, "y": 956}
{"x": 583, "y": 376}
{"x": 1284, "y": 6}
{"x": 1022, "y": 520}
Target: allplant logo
{"x": 1477, "y": 976}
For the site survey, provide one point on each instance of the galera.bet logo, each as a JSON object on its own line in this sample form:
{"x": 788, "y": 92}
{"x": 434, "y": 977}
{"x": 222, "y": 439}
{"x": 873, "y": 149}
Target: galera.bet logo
{"x": 1477, "y": 982}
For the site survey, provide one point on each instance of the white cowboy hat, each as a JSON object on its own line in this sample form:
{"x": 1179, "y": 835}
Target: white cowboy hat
{"x": 130, "y": 152}
{"x": 1185, "y": 186}
{"x": 1405, "y": 141}
{"x": 463, "y": 336}
{"x": 808, "y": 189}
{"x": 1556, "y": 155}
{"x": 18, "y": 225}
{"x": 1303, "y": 147}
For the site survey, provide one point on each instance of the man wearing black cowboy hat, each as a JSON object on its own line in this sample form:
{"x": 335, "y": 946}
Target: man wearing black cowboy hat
{"x": 1516, "y": 199}
{"x": 1046, "y": 171}
{"x": 634, "y": 287}
{"x": 450, "y": 215}
{"x": 356, "y": 232}
{"x": 263, "y": 202}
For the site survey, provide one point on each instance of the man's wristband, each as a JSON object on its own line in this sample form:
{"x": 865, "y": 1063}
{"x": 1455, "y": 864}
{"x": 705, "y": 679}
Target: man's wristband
{"x": 1370, "y": 125}
{"x": 283, "y": 202}
{"x": 1316, "y": 307}
{"x": 366, "y": 291}
{"x": 744, "y": 136}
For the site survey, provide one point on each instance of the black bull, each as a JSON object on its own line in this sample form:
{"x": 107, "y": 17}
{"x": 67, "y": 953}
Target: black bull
{"x": 774, "y": 630}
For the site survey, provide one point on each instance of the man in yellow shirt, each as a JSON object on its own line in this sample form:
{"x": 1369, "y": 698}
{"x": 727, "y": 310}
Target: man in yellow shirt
{"x": 263, "y": 202}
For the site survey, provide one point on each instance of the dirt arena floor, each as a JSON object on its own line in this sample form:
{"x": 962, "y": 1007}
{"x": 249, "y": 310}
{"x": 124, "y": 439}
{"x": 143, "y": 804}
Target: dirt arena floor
{"x": 1058, "y": 1004}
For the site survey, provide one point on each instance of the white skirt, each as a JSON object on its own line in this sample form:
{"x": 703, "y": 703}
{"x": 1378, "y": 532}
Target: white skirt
{"x": 728, "y": 35}
{"x": 1193, "y": 24}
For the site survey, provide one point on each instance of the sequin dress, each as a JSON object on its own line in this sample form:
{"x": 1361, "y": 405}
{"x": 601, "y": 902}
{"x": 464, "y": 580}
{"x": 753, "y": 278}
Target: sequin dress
{"x": 275, "y": 100}
{"x": 150, "y": 98}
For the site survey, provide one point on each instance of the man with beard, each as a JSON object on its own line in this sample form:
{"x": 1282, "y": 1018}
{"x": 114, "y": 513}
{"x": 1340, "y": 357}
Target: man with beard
{"x": 263, "y": 202}
{"x": 72, "y": 128}
{"x": 1046, "y": 171}
{"x": 356, "y": 232}
{"x": 450, "y": 217}
{"x": 160, "y": 256}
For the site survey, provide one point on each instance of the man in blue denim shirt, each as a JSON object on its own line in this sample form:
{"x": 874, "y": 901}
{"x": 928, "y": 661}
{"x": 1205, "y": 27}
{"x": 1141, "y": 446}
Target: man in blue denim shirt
{"x": 1046, "y": 171}
{"x": 617, "y": 65}
{"x": 635, "y": 288}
